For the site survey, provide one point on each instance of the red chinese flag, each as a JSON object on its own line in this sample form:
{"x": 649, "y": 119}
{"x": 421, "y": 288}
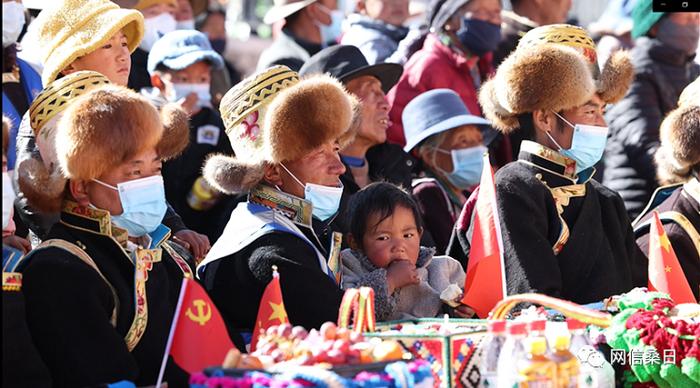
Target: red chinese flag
{"x": 485, "y": 282}
{"x": 665, "y": 272}
{"x": 271, "y": 311}
{"x": 198, "y": 337}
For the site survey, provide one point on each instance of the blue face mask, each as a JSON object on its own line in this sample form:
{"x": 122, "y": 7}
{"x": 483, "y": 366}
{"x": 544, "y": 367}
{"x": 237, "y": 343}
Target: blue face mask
{"x": 143, "y": 204}
{"x": 479, "y": 36}
{"x": 325, "y": 199}
{"x": 587, "y": 144}
{"x": 467, "y": 166}
{"x": 330, "y": 33}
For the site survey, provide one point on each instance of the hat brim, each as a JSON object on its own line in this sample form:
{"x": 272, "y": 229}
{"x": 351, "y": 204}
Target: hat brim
{"x": 87, "y": 40}
{"x": 487, "y": 132}
{"x": 387, "y": 73}
{"x": 280, "y": 12}
{"x": 190, "y": 58}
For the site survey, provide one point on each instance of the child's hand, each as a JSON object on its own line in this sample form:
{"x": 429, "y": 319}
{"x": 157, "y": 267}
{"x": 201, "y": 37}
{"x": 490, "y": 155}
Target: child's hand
{"x": 17, "y": 243}
{"x": 401, "y": 273}
{"x": 189, "y": 104}
{"x": 463, "y": 311}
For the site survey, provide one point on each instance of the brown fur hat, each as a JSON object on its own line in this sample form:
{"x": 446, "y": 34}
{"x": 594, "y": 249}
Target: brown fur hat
{"x": 679, "y": 152}
{"x": 272, "y": 117}
{"x": 176, "y": 131}
{"x": 617, "y": 74}
{"x": 549, "y": 77}
{"x": 6, "y": 124}
{"x": 103, "y": 129}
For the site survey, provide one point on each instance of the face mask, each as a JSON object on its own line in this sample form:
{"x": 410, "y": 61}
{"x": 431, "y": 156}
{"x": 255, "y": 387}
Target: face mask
{"x": 467, "y": 166}
{"x": 201, "y": 90}
{"x": 479, "y": 36}
{"x": 143, "y": 204}
{"x": 219, "y": 45}
{"x": 185, "y": 24}
{"x": 680, "y": 37}
{"x": 587, "y": 144}
{"x": 8, "y": 199}
{"x": 12, "y": 22}
{"x": 325, "y": 199}
{"x": 156, "y": 27}
{"x": 330, "y": 33}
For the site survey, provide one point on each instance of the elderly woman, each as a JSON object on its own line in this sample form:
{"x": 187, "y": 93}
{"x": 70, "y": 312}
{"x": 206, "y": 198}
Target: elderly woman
{"x": 450, "y": 142}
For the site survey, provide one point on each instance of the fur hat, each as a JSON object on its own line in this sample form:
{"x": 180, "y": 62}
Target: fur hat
{"x": 6, "y": 124}
{"x": 176, "y": 131}
{"x": 271, "y": 117}
{"x": 40, "y": 180}
{"x": 549, "y": 77}
{"x": 691, "y": 94}
{"x": 104, "y": 128}
{"x": 679, "y": 152}
{"x": 617, "y": 73}
{"x": 69, "y": 29}
{"x": 143, "y": 4}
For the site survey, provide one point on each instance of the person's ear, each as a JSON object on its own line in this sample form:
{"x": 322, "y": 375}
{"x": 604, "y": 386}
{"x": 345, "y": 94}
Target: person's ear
{"x": 78, "y": 189}
{"x": 69, "y": 69}
{"x": 273, "y": 174}
{"x": 543, "y": 120}
{"x": 352, "y": 242}
{"x": 157, "y": 82}
{"x": 420, "y": 232}
{"x": 453, "y": 23}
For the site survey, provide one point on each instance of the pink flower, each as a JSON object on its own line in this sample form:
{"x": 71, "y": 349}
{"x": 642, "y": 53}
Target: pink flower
{"x": 252, "y": 130}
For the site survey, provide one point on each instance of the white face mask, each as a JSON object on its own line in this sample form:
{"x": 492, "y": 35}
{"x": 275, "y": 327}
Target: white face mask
{"x": 12, "y": 22}
{"x": 185, "y": 24}
{"x": 325, "y": 199}
{"x": 8, "y": 199}
{"x": 156, "y": 27}
{"x": 201, "y": 90}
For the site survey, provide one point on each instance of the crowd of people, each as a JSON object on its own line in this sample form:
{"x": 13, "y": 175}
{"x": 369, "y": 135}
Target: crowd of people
{"x": 136, "y": 155}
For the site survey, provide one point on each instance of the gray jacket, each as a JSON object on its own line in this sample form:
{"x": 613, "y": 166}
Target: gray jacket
{"x": 415, "y": 301}
{"x": 287, "y": 50}
{"x": 378, "y": 41}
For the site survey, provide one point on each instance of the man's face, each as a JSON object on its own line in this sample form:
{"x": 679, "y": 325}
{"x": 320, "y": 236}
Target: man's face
{"x": 389, "y": 11}
{"x": 320, "y": 10}
{"x": 554, "y": 11}
{"x": 196, "y": 73}
{"x": 486, "y": 10}
{"x": 321, "y": 166}
{"x": 113, "y": 60}
{"x": 215, "y": 26}
{"x": 141, "y": 165}
{"x": 160, "y": 8}
{"x": 591, "y": 113}
{"x": 184, "y": 11}
{"x": 375, "y": 109}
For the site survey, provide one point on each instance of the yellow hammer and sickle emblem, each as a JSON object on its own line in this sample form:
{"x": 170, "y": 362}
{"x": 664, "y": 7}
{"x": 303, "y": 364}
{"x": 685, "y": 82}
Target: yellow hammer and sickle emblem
{"x": 200, "y": 318}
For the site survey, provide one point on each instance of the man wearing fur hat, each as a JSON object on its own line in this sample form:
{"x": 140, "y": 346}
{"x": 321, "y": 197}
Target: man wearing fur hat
{"x": 678, "y": 167}
{"x": 577, "y": 243}
{"x": 286, "y": 135}
{"x": 101, "y": 290}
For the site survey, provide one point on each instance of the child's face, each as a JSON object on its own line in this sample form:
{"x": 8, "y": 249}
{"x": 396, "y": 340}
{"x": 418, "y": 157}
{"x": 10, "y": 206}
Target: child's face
{"x": 395, "y": 238}
{"x": 113, "y": 60}
{"x": 389, "y": 11}
{"x": 196, "y": 73}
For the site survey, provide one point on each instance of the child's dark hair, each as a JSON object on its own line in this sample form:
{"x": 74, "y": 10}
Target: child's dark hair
{"x": 381, "y": 198}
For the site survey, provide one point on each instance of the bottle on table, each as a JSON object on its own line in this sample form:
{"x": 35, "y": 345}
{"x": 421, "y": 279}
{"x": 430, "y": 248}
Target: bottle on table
{"x": 567, "y": 364}
{"x": 492, "y": 350}
{"x": 202, "y": 196}
{"x": 535, "y": 369}
{"x": 512, "y": 350}
{"x": 594, "y": 369}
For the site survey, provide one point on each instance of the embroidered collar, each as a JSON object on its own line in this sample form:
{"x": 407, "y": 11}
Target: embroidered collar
{"x": 547, "y": 159}
{"x": 296, "y": 209}
{"x": 442, "y": 45}
{"x": 100, "y": 221}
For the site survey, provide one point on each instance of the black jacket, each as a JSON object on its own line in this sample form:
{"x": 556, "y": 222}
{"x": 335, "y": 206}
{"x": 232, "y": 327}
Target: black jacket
{"x": 138, "y": 75}
{"x": 22, "y": 365}
{"x": 207, "y": 137}
{"x": 661, "y": 73}
{"x": 236, "y": 282}
{"x": 288, "y": 50}
{"x": 69, "y": 306}
{"x": 599, "y": 258}
{"x": 685, "y": 201}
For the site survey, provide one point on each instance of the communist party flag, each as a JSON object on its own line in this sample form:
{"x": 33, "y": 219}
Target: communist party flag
{"x": 198, "y": 337}
{"x": 485, "y": 283}
{"x": 271, "y": 311}
{"x": 665, "y": 272}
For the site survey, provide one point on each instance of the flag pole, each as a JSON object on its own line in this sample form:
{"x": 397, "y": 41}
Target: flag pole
{"x": 183, "y": 289}
{"x": 497, "y": 225}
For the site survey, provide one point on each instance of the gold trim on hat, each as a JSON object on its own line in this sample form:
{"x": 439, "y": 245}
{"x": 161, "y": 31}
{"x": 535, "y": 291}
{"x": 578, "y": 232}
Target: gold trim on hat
{"x": 251, "y": 95}
{"x": 54, "y": 98}
{"x": 567, "y": 35}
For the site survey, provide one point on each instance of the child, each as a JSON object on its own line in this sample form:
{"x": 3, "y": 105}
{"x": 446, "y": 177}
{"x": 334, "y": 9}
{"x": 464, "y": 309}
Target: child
{"x": 9, "y": 237}
{"x": 180, "y": 65}
{"x": 385, "y": 254}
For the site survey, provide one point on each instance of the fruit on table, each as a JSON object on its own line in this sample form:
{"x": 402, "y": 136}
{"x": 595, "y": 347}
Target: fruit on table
{"x": 330, "y": 345}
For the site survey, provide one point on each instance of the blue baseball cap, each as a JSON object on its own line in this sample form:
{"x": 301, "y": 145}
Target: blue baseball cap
{"x": 436, "y": 111}
{"x": 181, "y": 48}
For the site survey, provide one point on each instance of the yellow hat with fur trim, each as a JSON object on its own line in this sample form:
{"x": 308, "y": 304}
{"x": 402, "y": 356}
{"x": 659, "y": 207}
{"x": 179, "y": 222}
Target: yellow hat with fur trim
{"x": 70, "y": 29}
{"x": 617, "y": 74}
{"x": 548, "y": 77}
{"x": 40, "y": 180}
{"x": 143, "y": 4}
{"x": 271, "y": 117}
